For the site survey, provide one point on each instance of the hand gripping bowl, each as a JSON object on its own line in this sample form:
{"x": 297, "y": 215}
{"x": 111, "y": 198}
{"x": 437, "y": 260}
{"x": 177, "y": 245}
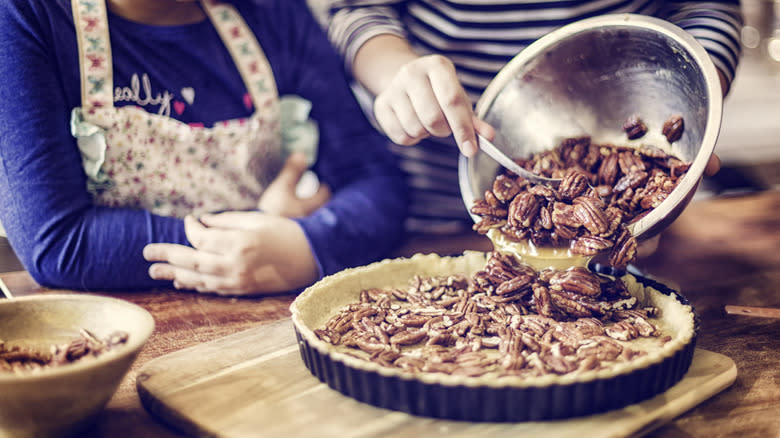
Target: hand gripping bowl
{"x": 587, "y": 78}
{"x": 481, "y": 398}
{"x": 63, "y": 400}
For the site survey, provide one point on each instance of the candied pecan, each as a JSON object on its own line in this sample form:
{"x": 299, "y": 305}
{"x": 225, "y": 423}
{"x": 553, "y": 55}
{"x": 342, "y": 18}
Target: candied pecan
{"x": 629, "y": 162}
{"x": 563, "y": 214}
{"x": 565, "y": 232}
{"x": 408, "y": 337}
{"x": 482, "y": 208}
{"x": 578, "y": 280}
{"x": 544, "y": 220}
{"x": 523, "y": 209}
{"x": 573, "y": 149}
{"x": 630, "y": 181}
{"x": 505, "y": 188}
{"x": 609, "y": 170}
{"x": 517, "y": 285}
{"x": 542, "y": 300}
{"x": 602, "y": 348}
{"x": 624, "y": 251}
{"x": 590, "y": 245}
{"x": 673, "y": 128}
{"x": 574, "y": 183}
{"x": 653, "y": 199}
{"x": 569, "y": 306}
{"x": 558, "y": 364}
{"x": 543, "y": 191}
{"x": 652, "y": 151}
{"x": 622, "y": 331}
{"x": 634, "y": 127}
{"x": 591, "y": 214}
{"x": 492, "y": 200}
{"x": 487, "y": 223}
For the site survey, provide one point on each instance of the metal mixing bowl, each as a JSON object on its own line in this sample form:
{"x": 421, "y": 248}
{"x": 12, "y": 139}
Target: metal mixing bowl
{"x": 587, "y": 78}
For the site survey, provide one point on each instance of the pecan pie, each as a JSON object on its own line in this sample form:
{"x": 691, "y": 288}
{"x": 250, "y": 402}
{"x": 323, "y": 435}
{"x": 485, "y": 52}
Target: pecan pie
{"x": 482, "y": 337}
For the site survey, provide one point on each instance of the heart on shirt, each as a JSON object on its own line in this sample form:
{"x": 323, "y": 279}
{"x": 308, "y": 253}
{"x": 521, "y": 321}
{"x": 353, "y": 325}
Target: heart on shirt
{"x": 178, "y": 106}
{"x": 188, "y": 94}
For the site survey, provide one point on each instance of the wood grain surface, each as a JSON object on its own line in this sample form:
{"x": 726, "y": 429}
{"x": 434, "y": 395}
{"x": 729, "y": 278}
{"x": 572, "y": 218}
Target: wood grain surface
{"x": 254, "y": 382}
{"x": 721, "y": 251}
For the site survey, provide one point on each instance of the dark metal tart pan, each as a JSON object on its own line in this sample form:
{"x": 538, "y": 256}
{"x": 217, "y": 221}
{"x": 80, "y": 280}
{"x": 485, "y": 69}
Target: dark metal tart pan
{"x": 423, "y": 396}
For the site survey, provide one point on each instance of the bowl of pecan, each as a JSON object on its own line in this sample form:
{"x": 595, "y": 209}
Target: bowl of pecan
{"x": 62, "y": 357}
{"x": 631, "y": 102}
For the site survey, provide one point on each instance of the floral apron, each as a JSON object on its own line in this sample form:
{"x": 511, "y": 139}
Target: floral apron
{"x": 141, "y": 160}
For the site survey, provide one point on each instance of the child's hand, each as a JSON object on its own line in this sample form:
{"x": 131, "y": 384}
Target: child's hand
{"x": 280, "y": 196}
{"x": 426, "y": 99}
{"x": 236, "y": 253}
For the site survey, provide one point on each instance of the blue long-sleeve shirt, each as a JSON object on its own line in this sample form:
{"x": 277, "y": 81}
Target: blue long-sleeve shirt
{"x": 65, "y": 240}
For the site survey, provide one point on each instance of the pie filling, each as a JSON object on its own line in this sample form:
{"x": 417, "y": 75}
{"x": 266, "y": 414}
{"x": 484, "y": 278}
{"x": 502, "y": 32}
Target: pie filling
{"x": 487, "y": 319}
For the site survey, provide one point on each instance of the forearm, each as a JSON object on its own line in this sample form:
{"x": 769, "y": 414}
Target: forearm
{"x": 716, "y": 25}
{"x": 361, "y": 224}
{"x": 379, "y": 59}
{"x": 95, "y": 248}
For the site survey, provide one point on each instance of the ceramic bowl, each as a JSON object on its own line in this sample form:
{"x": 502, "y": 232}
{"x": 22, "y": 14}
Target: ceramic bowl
{"x": 63, "y": 400}
{"x": 587, "y": 78}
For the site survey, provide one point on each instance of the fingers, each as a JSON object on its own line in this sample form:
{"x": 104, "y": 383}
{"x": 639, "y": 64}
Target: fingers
{"x": 456, "y": 106}
{"x": 312, "y": 203}
{"x": 426, "y": 99}
{"x": 291, "y": 173}
{"x": 713, "y": 165}
{"x": 239, "y": 220}
{"x": 484, "y": 128}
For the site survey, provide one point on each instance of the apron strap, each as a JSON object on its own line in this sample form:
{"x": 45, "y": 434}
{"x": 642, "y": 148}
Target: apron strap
{"x": 246, "y": 52}
{"x": 97, "y": 75}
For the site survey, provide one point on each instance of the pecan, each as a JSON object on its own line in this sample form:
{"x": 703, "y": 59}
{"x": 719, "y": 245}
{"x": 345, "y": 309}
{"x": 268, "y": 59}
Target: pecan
{"x": 523, "y": 209}
{"x": 602, "y": 348}
{"x": 482, "y": 208}
{"x": 487, "y": 223}
{"x": 563, "y": 214}
{"x": 543, "y": 192}
{"x": 629, "y": 162}
{"x": 505, "y": 188}
{"x": 517, "y": 285}
{"x": 408, "y": 337}
{"x": 569, "y": 306}
{"x": 573, "y": 184}
{"x": 590, "y": 245}
{"x": 624, "y": 251}
{"x": 591, "y": 215}
{"x": 673, "y": 128}
{"x": 578, "y": 280}
{"x": 634, "y": 127}
{"x": 630, "y": 181}
{"x": 609, "y": 170}
{"x": 622, "y": 331}
{"x": 652, "y": 151}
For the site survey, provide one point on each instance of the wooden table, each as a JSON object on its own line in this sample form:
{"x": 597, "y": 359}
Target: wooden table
{"x": 720, "y": 251}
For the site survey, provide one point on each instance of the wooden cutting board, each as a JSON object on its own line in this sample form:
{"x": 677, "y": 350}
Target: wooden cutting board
{"x": 254, "y": 383}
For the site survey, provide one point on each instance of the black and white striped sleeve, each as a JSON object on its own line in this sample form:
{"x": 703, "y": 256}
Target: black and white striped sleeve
{"x": 352, "y": 23}
{"x": 715, "y": 25}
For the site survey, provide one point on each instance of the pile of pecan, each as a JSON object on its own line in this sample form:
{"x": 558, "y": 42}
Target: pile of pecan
{"x": 20, "y": 359}
{"x": 505, "y": 320}
{"x": 603, "y": 189}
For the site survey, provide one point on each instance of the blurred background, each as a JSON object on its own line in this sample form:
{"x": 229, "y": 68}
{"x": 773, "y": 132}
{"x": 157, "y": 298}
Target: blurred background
{"x": 749, "y": 141}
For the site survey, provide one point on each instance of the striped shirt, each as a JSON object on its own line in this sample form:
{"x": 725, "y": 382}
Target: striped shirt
{"x": 480, "y": 37}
